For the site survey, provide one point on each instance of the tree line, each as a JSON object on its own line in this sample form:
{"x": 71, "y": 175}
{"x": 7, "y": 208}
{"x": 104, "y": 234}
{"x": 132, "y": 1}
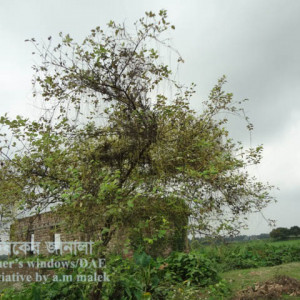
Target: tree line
{"x": 282, "y": 233}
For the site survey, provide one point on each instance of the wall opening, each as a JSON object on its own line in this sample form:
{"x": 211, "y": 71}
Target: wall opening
{"x": 57, "y": 242}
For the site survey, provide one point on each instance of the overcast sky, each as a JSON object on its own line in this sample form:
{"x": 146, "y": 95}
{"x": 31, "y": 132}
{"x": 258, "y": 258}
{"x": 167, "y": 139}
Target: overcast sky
{"x": 255, "y": 43}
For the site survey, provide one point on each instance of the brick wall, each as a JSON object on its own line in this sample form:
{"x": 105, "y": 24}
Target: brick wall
{"x": 43, "y": 227}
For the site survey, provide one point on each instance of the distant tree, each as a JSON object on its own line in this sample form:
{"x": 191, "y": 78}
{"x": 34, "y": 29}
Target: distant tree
{"x": 295, "y": 230}
{"x": 280, "y": 233}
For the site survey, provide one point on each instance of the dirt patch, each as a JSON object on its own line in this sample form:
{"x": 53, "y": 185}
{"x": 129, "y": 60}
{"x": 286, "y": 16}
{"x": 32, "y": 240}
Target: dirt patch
{"x": 271, "y": 289}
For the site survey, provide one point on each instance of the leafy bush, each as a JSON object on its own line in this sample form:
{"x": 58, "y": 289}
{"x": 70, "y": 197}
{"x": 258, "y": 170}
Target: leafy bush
{"x": 220, "y": 290}
{"x": 192, "y": 267}
{"x": 51, "y": 290}
{"x": 178, "y": 276}
{"x": 131, "y": 279}
{"x": 139, "y": 278}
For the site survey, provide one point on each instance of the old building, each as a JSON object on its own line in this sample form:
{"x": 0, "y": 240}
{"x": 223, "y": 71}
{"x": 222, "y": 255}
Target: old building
{"x": 41, "y": 228}
{"x": 48, "y": 232}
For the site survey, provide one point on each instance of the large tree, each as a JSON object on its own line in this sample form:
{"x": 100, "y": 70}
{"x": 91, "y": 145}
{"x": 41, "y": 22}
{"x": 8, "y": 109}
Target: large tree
{"x": 111, "y": 148}
{"x": 294, "y": 231}
{"x": 280, "y": 233}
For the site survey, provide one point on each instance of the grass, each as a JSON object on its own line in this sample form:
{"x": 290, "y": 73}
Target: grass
{"x": 291, "y": 242}
{"x": 238, "y": 280}
{"x": 241, "y": 279}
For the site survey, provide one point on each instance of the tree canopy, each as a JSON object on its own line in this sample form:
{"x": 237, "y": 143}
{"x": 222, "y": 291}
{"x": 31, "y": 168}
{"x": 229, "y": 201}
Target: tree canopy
{"x": 112, "y": 145}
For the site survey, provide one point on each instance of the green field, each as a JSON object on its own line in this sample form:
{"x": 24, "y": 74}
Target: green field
{"x": 216, "y": 271}
{"x": 240, "y": 279}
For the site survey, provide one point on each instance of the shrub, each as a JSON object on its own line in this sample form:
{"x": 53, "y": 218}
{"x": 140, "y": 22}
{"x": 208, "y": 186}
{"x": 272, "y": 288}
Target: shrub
{"x": 192, "y": 267}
